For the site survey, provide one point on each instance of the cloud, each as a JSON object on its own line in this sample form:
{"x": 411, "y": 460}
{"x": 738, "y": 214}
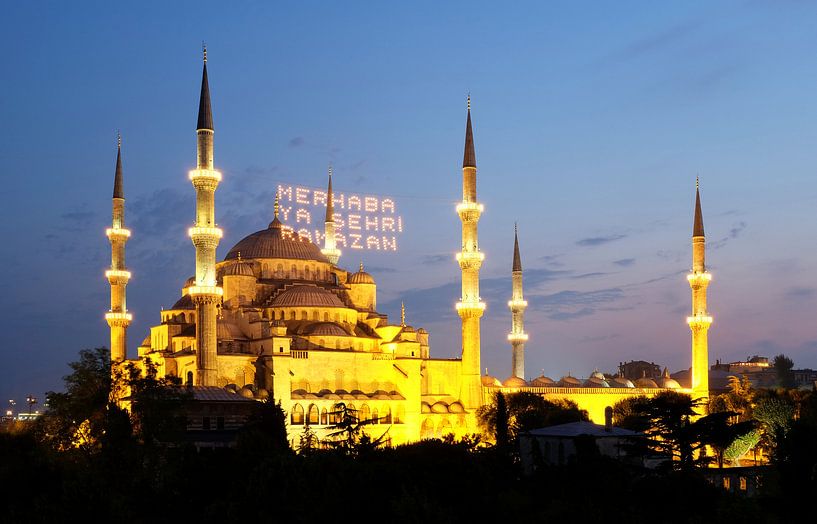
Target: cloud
{"x": 552, "y": 260}
{"x": 657, "y": 41}
{"x": 76, "y": 221}
{"x": 380, "y": 269}
{"x": 800, "y": 293}
{"x": 297, "y": 141}
{"x": 624, "y": 262}
{"x": 734, "y": 232}
{"x": 597, "y": 241}
{"x": 587, "y": 275}
{"x": 431, "y": 260}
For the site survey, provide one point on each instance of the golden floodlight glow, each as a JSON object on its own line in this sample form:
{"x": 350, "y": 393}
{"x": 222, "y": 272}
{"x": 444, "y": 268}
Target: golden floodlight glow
{"x": 699, "y": 319}
{"x": 205, "y": 231}
{"x": 470, "y": 256}
{"x": 699, "y": 276}
{"x": 471, "y": 305}
{"x": 118, "y": 315}
{"x": 117, "y": 232}
{"x": 469, "y": 206}
{"x": 211, "y": 174}
{"x": 517, "y": 337}
{"x": 117, "y": 273}
{"x": 517, "y": 303}
{"x": 205, "y": 290}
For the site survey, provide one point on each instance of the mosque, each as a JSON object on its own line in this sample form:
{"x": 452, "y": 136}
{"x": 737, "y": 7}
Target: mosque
{"x": 280, "y": 318}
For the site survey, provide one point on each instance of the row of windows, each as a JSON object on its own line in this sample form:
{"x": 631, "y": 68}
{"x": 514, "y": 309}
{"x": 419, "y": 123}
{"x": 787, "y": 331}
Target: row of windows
{"x": 314, "y": 416}
{"x": 207, "y": 425}
{"x": 304, "y": 315}
{"x": 308, "y": 273}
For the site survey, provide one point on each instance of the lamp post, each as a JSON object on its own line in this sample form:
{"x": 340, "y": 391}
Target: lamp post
{"x": 31, "y": 400}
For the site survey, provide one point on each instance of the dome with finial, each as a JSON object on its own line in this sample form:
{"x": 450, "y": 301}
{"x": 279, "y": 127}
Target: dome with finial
{"x": 542, "y": 381}
{"x": 275, "y": 242}
{"x": 239, "y": 268}
{"x": 361, "y": 277}
{"x": 668, "y": 382}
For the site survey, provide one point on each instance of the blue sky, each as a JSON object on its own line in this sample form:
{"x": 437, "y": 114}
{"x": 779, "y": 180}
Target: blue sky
{"x": 591, "y": 121}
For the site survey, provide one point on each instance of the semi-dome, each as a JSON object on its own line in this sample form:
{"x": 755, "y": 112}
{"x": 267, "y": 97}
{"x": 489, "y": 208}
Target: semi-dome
{"x": 307, "y": 296}
{"x": 514, "y": 382}
{"x": 239, "y": 269}
{"x": 361, "y": 277}
{"x": 274, "y": 242}
{"x": 186, "y": 302}
{"x": 326, "y": 328}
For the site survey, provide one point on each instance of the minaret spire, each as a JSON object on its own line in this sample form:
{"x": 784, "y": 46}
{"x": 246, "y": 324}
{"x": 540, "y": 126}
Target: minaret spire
{"x": 402, "y": 314}
{"x": 118, "y": 276}
{"x": 330, "y": 248}
{"x": 517, "y": 337}
{"x": 700, "y": 320}
{"x": 206, "y": 294}
{"x": 470, "y": 307}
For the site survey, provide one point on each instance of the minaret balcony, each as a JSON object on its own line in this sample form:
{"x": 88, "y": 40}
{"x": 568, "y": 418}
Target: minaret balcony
{"x": 118, "y": 317}
{"x": 699, "y": 277}
{"x": 470, "y": 256}
{"x": 116, "y": 276}
{"x": 117, "y": 232}
{"x": 471, "y": 304}
{"x": 517, "y": 304}
{"x": 517, "y": 337}
{"x": 205, "y": 178}
{"x": 469, "y": 211}
{"x": 205, "y": 290}
{"x": 205, "y": 236}
{"x": 699, "y": 320}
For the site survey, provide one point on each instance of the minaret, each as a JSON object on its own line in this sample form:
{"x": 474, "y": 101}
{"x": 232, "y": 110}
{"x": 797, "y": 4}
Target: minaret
{"x": 517, "y": 337}
{"x": 118, "y": 317}
{"x": 470, "y": 307}
{"x": 329, "y": 248}
{"x": 205, "y": 235}
{"x": 700, "y": 320}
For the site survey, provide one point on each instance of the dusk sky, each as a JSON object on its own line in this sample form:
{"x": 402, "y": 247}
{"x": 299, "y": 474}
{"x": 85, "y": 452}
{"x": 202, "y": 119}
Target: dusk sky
{"x": 591, "y": 121}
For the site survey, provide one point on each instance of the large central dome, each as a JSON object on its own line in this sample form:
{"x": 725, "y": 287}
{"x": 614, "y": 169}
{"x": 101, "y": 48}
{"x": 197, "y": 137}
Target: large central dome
{"x": 273, "y": 242}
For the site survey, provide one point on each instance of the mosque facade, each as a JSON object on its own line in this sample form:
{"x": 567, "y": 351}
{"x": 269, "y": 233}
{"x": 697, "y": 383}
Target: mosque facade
{"x": 279, "y": 318}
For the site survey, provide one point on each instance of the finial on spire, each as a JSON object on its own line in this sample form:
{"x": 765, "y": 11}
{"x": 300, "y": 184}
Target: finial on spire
{"x": 330, "y": 199}
{"x": 698, "y": 223}
{"x": 517, "y": 259}
{"x": 239, "y": 256}
{"x": 275, "y": 206}
{"x": 204, "y": 50}
{"x": 469, "y": 158}
{"x": 118, "y": 192}
{"x": 402, "y": 314}
{"x": 697, "y": 182}
{"x": 361, "y": 267}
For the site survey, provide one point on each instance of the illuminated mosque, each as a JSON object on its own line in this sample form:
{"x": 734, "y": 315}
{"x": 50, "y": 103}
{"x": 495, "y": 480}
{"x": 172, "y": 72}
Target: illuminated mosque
{"x": 279, "y": 318}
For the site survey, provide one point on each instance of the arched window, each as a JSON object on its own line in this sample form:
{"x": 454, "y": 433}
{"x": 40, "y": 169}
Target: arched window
{"x": 324, "y": 417}
{"x": 293, "y": 271}
{"x": 315, "y": 315}
{"x": 365, "y": 413}
{"x": 326, "y": 317}
{"x": 375, "y": 418}
{"x": 292, "y": 316}
{"x": 314, "y": 416}
{"x": 400, "y": 416}
{"x": 279, "y": 271}
{"x": 386, "y": 415}
{"x": 306, "y": 273}
{"x": 297, "y": 418}
{"x": 304, "y": 315}
{"x": 189, "y": 378}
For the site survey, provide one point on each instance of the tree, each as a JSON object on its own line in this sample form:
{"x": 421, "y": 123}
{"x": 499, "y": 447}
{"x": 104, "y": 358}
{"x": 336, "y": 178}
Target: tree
{"x": 775, "y": 416}
{"x": 265, "y": 430}
{"x": 526, "y": 411}
{"x": 347, "y": 432}
{"x": 501, "y": 430}
{"x": 783, "y": 369}
{"x": 156, "y": 404}
{"x": 77, "y": 417}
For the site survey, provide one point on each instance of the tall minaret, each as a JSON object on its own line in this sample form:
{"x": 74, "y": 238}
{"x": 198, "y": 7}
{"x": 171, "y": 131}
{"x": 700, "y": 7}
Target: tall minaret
{"x": 517, "y": 304}
{"x": 329, "y": 248}
{"x": 700, "y": 320}
{"x": 470, "y": 307}
{"x": 118, "y": 317}
{"x": 205, "y": 235}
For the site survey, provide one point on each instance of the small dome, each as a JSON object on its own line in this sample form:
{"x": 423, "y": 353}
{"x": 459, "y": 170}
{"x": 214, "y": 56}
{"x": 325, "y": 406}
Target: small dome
{"x": 309, "y": 296}
{"x": 570, "y": 382}
{"x": 668, "y": 383}
{"x": 422, "y": 331}
{"x": 232, "y": 388}
{"x": 489, "y": 381}
{"x": 239, "y": 269}
{"x": 190, "y": 282}
{"x": 439, "y": 407}
{"x": 595, "y": 382}
{"x": 456, "y": 407}
{"x": 425, "y": 407}
{"x": 515, "y": 382}
{"x": 542, "y": 382}
{"x": 597, "y": 374}
{"x": 263, "y": 394}
{"x": 645, "y": 382}
{"x": 246, "y": 392}
{"x": 186, "y": 302}
{"x": 620, "y": 382}
{"x": 361, "y": 277}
